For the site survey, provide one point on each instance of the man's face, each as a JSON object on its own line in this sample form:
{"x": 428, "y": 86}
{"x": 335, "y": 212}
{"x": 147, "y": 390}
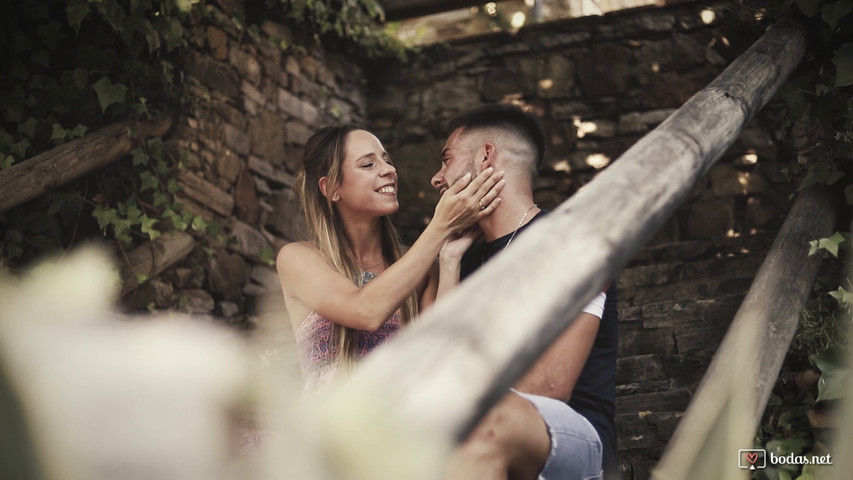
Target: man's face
{"x": 457, "y": 159}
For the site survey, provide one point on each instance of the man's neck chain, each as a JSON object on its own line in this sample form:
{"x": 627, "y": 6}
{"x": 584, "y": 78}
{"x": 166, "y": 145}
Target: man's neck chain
{"x": 520, "y": 223}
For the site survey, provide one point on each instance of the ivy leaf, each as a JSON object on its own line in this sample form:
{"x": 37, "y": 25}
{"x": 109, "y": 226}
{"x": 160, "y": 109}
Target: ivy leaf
{"x": 139, "y": 156}
{"x": 814, "y": 472}
{"x": 214, "y": 227}
{"x": 833, "y": 378}
{"x": 133, "y": 214}
{"x": 199, "y": 225}
{"x": 173, "y": 186}
{"x": 75, "y": 12}
{"x": 267, "y": 256}
{"x": 162, "y": 168}
{"x": 108, "y": 93}
{"x": 160, "y": 199}
{"x": 104, "y": 216}
{"x": 7, "y": 162}
{"x": 149, "y": 181}
{"x": 843, "y": 297}
{"x": 121, "y": 229}
{"x": 814, "y": 247}
{"x": 834, "y": 12}
{"x": 58, "y": 135}
{"x": 843, "y": 61}
{"x": 28, "y": 128}
{"x": 176, "y": 219}
{"x": 147, "y": 225}
{"x": 20, "y": 148}
{"x": 155, "y": 145}
{"x": 78, "y": 131}
{"x": 829, "y": 244}
{"x": 185, "y": 5}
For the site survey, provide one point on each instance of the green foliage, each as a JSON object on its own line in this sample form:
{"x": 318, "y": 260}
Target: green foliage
{"x": 818, "y": 119}
{"x": 829, "y": 244}
{"x": 354, "y": 25}
{"x": 833, "y": 378}
{"x": 75, "y": 66}
{"x": 820, "y": 93}
{"x": 813, "y": 378}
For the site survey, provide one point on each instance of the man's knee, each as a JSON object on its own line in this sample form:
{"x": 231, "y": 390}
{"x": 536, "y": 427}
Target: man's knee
{"x": 512, "y": 431}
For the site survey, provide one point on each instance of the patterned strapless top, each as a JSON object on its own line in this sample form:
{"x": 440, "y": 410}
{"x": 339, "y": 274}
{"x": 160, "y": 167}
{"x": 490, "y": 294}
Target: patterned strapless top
{"x": 318, "y": 354}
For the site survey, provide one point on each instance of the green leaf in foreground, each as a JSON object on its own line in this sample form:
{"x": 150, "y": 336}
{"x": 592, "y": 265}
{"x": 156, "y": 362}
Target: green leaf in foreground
{"x": 108, "y": 93}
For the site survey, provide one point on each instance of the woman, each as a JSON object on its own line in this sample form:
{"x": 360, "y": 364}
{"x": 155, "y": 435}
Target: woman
{"x": 351, "y": 287}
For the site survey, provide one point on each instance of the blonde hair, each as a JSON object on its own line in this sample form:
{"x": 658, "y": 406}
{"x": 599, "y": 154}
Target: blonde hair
{"x": 323, "y": 157}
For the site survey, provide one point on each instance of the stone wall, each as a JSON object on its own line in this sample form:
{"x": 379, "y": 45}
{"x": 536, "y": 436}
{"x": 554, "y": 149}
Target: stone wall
{"x": 253, "y": 105}
{"x": 599, "y": 84}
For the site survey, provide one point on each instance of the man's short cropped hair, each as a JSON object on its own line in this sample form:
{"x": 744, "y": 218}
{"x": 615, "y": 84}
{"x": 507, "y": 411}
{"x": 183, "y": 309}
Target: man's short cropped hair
{"x": 504, "y": 116}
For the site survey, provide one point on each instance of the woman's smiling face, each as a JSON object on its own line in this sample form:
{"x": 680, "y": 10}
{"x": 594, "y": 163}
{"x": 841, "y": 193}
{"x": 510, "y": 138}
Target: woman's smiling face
{"x": 369, "y": 179}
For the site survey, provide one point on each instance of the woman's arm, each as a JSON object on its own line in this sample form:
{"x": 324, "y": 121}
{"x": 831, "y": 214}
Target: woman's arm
{"x": 450, "y": 259}
{"x": 428, "y": 294}
{"x": 306, "y": 276}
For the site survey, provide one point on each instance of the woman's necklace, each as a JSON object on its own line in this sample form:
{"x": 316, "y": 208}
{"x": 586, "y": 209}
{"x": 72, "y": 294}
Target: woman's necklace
{"x": 520, "y": 222}
{"x": 372, "y": 266}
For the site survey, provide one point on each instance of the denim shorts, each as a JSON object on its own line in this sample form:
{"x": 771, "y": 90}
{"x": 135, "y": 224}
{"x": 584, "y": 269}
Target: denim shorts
{"x": 575, "y": 446}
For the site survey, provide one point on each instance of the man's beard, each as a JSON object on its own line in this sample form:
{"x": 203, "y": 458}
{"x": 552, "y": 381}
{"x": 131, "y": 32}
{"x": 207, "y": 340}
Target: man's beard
{"x": 472, "y": 169}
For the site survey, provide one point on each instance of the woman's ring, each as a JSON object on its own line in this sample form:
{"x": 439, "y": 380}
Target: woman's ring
{"x": 481, "y": 205}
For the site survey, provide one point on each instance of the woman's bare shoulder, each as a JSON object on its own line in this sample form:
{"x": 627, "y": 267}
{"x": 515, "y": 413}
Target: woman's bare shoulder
{"x": 296, "y": 253}
{"x": 298, "y": 248}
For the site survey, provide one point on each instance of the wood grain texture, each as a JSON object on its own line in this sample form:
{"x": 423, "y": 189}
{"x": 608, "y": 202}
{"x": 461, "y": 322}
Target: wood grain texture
{"x": 32, "y": 177}
{"x": 154, "y": 257}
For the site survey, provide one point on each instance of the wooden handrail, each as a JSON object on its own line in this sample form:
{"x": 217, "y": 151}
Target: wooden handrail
{"x": 437, "y": 379}
{"x": 34, "y": 176}
{"x": 750, "y": 356}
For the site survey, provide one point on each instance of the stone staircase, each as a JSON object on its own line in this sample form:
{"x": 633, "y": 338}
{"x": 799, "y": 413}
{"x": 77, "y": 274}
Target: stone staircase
{"x": 676, "y": 301}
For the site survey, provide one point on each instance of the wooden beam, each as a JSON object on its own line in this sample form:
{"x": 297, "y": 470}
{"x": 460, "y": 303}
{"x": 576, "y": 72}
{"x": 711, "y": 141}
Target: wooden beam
{"x": 154, "y": 257}
{"x": 748, "y": 361}
{"x": 32, "y": 177}
{"x": 403, "y": 9}
{"x": 438, "y": 377}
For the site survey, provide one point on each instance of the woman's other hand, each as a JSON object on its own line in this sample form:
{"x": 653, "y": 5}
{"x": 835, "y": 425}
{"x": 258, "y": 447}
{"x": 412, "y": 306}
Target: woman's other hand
{"x": 457, "y": 244}
{"x": 468, "y": 201}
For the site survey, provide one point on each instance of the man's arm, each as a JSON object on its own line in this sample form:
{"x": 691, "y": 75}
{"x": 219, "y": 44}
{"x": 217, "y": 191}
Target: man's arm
{"x": 555, "y": 373}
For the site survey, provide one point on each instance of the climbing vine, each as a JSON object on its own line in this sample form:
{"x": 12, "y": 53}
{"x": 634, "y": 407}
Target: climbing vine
{"x": 76, "y": 66}
{"x": 818, "y": 127}
{"x": 818, "y": 97}
{"x": 351, "y": 25}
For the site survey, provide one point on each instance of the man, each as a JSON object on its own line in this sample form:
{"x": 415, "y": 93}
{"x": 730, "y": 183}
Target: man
{"x": 557, "y": 423}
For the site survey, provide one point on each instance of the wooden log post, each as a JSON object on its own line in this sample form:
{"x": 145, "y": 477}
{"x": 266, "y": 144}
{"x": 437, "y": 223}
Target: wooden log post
{"x": 437, "y": 379}
{"x": 154, "y": 257}
{"x": 748, "y": 361}
{"x": 35, "y": 176}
